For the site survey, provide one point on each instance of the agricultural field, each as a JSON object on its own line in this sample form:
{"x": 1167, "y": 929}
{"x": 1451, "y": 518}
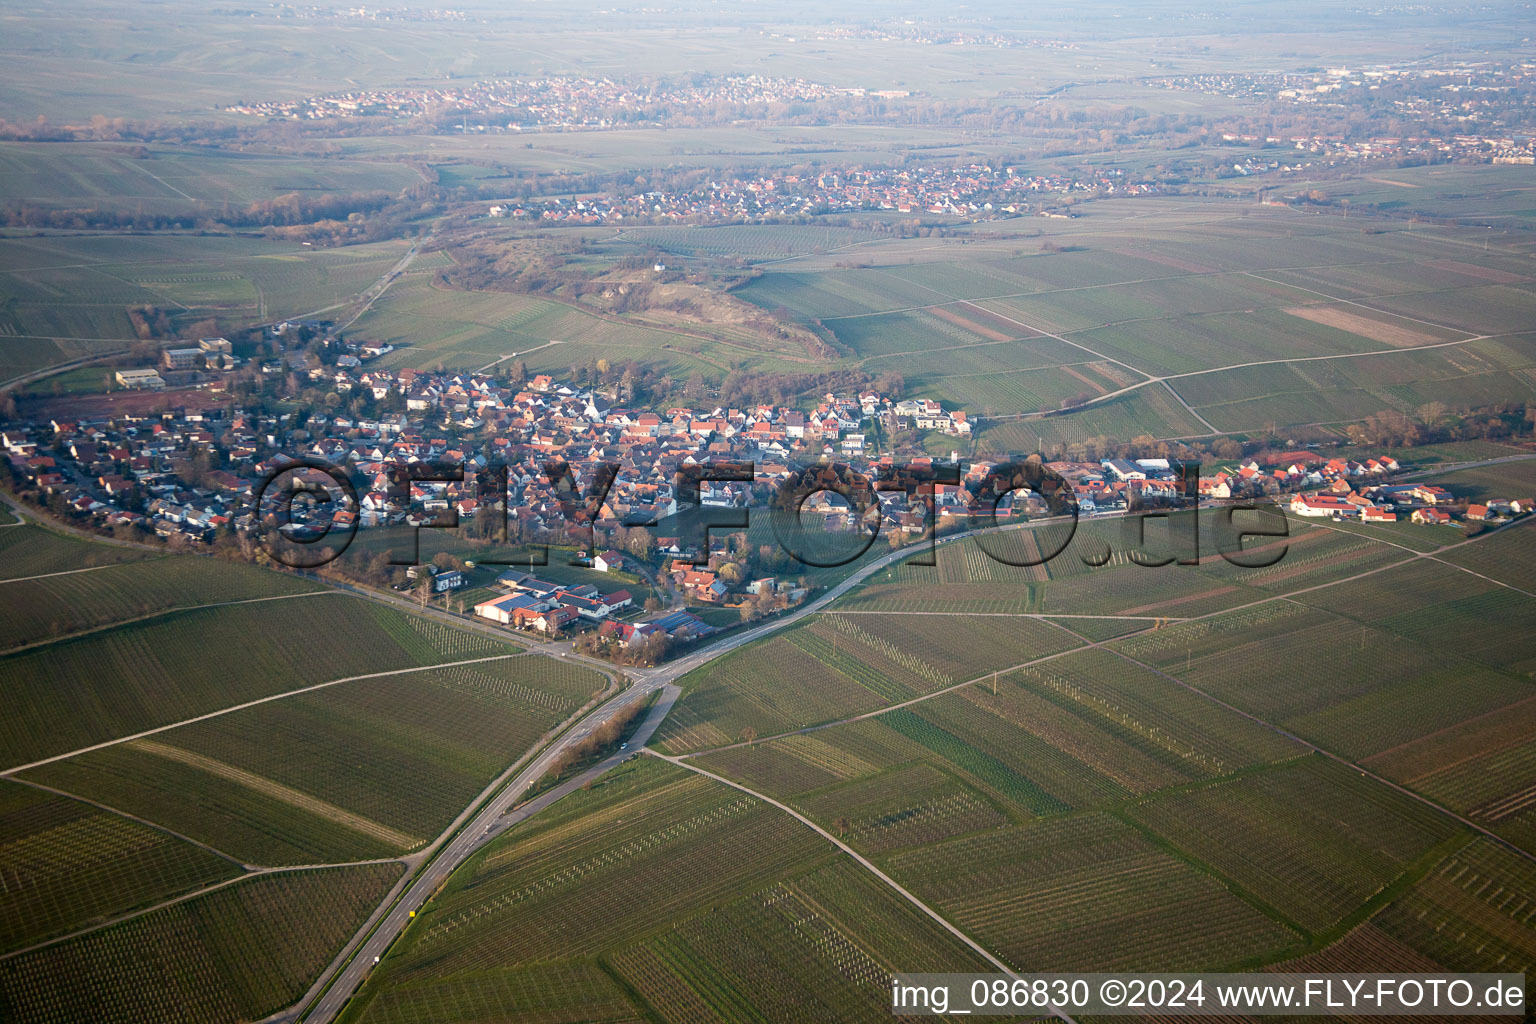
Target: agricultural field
{"x": 1088, "y": 892}
{"x": 1310, "y": 838}
{"x": 54, "y": 606}
{"x": 68, "y": 865}
{"x": 1426, "y": 600}
{"x": 757, "y": 243}
{"x": 656, "y": 892}
{"x": 192, "y": 962}
{"x": 432, "y": 325}
{"x": 1092, "y": 573}
{"x": 1487, "y": 193}
{"x": 1513, "y": 479}
{"x": 317, "y": 777}
{"x": 1381, "y": 690}
{"x": 76, "y": 289}
{"x": 769, "y": 688}
{"x": 1053, "y": 737}
{"x": 1470, "y": 913}
{"x": 1478, "y": 373}
{"x": 167, "y": 669}
{"x": 172, "y": 180}
{"x": 30, "y": 551}
{"x": 1508, "y": 556}
{"x": 1341, "y": 325}
{"x": 841, "y": 665}
{"x": 20, "y": 356}
{"x": 1480, "y": 767}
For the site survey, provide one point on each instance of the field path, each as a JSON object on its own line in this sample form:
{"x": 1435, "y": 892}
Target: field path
{"x": 62, "y": 572}
{"x": 277, "y": 791}
{"x": 155, "y": 615}
{"x": 865, "y": 863}
{"x": 251, "y": 704}
{"x": 184, "y": 897}
{"x": 1089, "y": 644}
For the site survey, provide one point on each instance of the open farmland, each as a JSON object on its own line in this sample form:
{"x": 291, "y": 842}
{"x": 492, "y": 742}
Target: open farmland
{"x": 168, "y": 669}
{"x": 434, "y": 325}
{"x": 45, "y": 609}
{"x": 192, "y": 963}
{"x": 317, "y": 777}
{"x": 76, "y": 289}
{"x": 1188, "y": 292}
{"x": 1088, "y": 892}
{"x": 759, "y": 243}
{"x": 1092, "y": 573}
{"x": 699, "y": 901}
{"x": 1382, "y": 690}
{"x": 23, "y": 355}
{"x": 1310, "y": 838}
{"x": 67, "y": 865}
{"x": 28, "y": 550}
{"x": 841, "y": 665}
{"x": 1071, "y": 732}
{"x": 169, "y": 179}
{"x": 1425, "y": 600}
{"x": 1471, "y": 912}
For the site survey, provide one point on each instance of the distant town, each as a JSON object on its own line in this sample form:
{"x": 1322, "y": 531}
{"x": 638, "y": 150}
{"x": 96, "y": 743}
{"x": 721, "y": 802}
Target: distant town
{"x": 549, "y": 102}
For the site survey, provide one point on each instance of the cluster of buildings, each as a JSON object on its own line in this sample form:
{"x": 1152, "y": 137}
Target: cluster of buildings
{"x": 976, "y": 192}
{"x": 1334, "y": 148}
{"x": 540, "y": 606}
{"x": 562, "y": 102}
{"x": 1338, "y": 488}
{"x": 472, "y": 446}
{"x": 1420, "y": 503}
{"x": 132, "y": 472}
{"x": 1476, "y": 111}
{"x": 207, "y": 354}
{"x": 552, "y": 609}
{"x": 926, "y": 35}
{"x": 314, "y": 12}
{"x": 195, "y": 472}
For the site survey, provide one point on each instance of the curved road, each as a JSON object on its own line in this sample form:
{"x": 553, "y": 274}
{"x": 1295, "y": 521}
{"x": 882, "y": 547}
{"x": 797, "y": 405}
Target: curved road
{"x": 353, "y": 965}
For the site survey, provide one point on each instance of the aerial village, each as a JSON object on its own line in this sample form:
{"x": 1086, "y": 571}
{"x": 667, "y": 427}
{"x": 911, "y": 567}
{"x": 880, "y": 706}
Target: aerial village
{"x": 976, "y": 192}
{"x": 189, "y": 476}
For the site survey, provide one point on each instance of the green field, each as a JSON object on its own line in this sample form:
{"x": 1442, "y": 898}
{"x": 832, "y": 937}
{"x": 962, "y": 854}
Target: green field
{"x": 1310, "y": 838}
{"x": 168, "y": 669}
{"x": 69, "y": 865}
{"x": 318, "y": 777}
{"x": 433, "y": 325}
{"x": 656, "y": 893}
{"x": 64, "y": 296}
{"x": 841, "y": 665}
{"x": 1384, "y": 691}
{"x": 1088, "y": 892}
{"x": 33, "y": 551}
{"x": 168, "y": 179}
{"x": 1189, "y": 290}
{"x": 45, "y": 609}
{"x": 195, "y": 962}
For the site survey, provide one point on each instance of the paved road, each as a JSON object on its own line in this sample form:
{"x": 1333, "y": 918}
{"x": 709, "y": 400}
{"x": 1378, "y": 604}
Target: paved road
{"x": 379, "y": 287}
{"x": 495, "y": 818}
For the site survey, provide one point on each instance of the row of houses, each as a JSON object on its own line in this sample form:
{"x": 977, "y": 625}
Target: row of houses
{"x": 1421, "y": 503}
